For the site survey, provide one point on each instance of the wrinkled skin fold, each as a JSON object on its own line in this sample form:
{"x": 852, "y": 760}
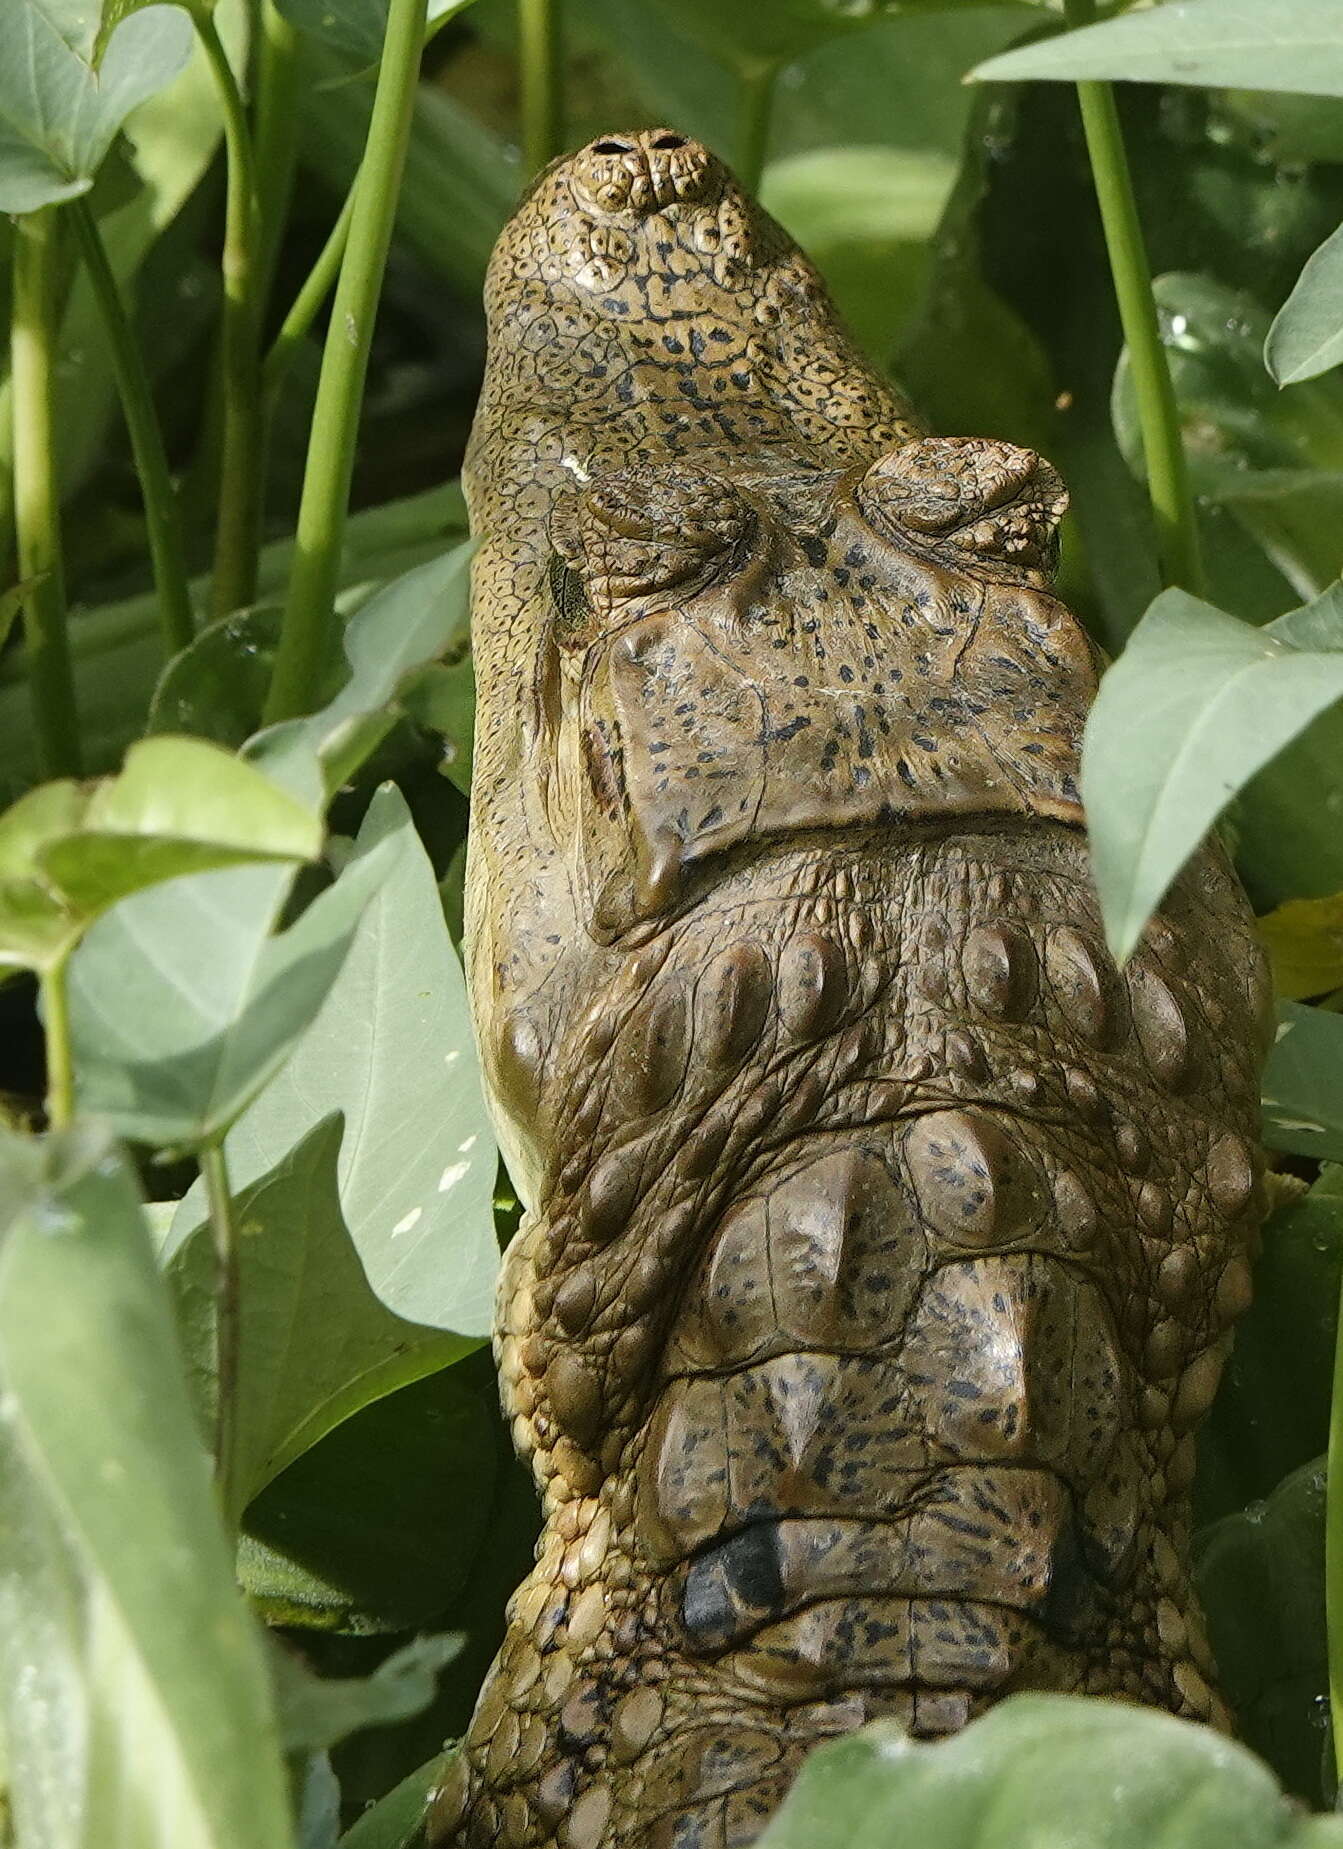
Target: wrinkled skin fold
{"x": 883, "y": 1240}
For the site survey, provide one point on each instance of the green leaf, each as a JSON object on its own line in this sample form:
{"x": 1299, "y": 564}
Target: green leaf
{"x": 461, "y": 179}
{"x": 378, "y": 1527}
{"x": 183, "y": 1004}
{"x": 392, "y": 1049}
{"x": 216, "y": 686}
{"x": 1235, "y": 423}
{"x": 1043, "y": 1769}
{"x": 1194, "y": 706}
{"x": 1228, "y": 44}
{"x": 1271, "y": 1413}
{"x": 57, "y": 113}
{"x": 754, "y": 38}
{"x": 357, "y": 26}
{"x": 1260, "y": 1578}
{"x": 1304, "y": 941}
{"x": 180, "y": 806}
{"x": 395, "y": 1820}
{"x": 315, "y": 1712}
{"x": 318, "y": 1822}
{"x": 443, "y": 700}
{"x": 118, "y": 647}
{"x": 315, "y": 1343}
{"x": 168, "y": 141}
{"x": 1303, "y": 1084}
{"x": 68, "y": 852}
{"x": 137, "y": 1702}
{"x": 411, "y": 622}
{"x": 1306, "y": 337}
{"x": 38, "y": 925}
{"x": 1274, "y": 459}
{"x": 865, "y": 217}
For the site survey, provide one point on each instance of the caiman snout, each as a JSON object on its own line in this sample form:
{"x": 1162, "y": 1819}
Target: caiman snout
{"x": 642, "y": 172}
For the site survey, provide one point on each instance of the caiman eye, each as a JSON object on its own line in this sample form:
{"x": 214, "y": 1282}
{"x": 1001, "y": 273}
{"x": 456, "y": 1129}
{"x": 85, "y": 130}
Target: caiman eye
{"x": 573, "y": 608}
{"x": 642, "y": 532}
{"x": 991, "y": 502}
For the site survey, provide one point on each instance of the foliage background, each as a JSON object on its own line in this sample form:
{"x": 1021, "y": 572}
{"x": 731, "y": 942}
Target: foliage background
{"x": 957, "y": 227}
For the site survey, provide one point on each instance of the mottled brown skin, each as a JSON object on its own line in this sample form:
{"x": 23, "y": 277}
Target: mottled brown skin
{"x": 882, "y": 1240}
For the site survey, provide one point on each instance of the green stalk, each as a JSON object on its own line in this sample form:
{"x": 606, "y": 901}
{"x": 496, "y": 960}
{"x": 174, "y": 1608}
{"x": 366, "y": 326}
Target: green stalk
{"x": 753, "y": 123}
{"x": 228, "y": 1324}
{"x": 56, "y": 1031}
{"x": 540, "y": 77}
{"x": 317, "y": 286}
{"x": 1158, "y": 413}
{"x": 307, "y": 637}
{"x": 37, "y": 513}
{"x": 275, "y": 137}
{"x": 151, "y": 462}
{"x": 238, "y": 521}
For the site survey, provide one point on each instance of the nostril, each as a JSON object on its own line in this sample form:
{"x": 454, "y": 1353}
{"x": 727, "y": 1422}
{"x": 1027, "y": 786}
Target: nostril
{"x": 668, "y": 142}
{"x": 612, "y": 146}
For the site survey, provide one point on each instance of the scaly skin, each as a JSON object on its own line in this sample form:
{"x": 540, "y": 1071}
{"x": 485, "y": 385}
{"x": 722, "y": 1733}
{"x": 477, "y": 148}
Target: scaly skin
{"x": 882, "y": 1240}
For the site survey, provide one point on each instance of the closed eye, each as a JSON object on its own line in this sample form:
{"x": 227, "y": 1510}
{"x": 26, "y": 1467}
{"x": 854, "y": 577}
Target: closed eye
{"x": 573, "y": 609}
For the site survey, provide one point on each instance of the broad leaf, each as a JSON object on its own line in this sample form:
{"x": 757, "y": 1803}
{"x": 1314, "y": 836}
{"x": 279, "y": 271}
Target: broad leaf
{"x": 1306, "y": 337}
{"x": 315, "y": 1712}
{"x": 136, "y": 1695}
{"x": 38, "y": 925}
{"x": 57, "y": 113}
{"x": 1197, "y": 703}
{"x": 751, "y": 38}
{"x": 1271, "y": 1413}
{"x": 358, "y": 26}
{"x": 866, "y": 217}
{"x": 1260, "y": 1577}
{"x": 395, "y": 1821}
{"x": 379, "y": 1525}
{"x": 1304, "y": 940}
{"x": 216, "y": 686}
{"x": 183, "y": 1003}
{"x": 1273, "y": 458}
{"x": 1229, "y": 44}
{"x": 393, "y": 1051}
{"x": 1043, "y": 1769}
{"x": 315, "y": 1343}
{"x": 1303, "y": 1085}
{"x": 180, "y": 806}
{"x": 68, "y": 852}
{"x": 119, "y": 646}
{"x": 317, "y": 1825}
{"x": 443, "y": 700}
{"x": 410, "y": 623}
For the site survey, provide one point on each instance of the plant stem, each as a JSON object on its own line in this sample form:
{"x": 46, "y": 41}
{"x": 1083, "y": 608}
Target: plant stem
{"x": 1158, "y": 413}
{"x": 753, "y": 123}
{"x": 276, "y": 137}
{"x": 37, "y": 514}
{"x": 539, "y": 72}
{"x": 307, "y": 631}
{"x": 228, "y": 1323}
{"x": 151, "y": 462}
{"x": 56, "y": 1031}
{"x": 317, "y": 285}
{"x": 238, "y": 521}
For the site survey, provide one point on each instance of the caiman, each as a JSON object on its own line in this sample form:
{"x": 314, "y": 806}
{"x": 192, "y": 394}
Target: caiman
{"x": 882, "y": 1238}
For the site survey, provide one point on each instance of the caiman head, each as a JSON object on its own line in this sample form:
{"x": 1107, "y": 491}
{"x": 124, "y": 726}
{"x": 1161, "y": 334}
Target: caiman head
{"x": 728, "y": 661}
